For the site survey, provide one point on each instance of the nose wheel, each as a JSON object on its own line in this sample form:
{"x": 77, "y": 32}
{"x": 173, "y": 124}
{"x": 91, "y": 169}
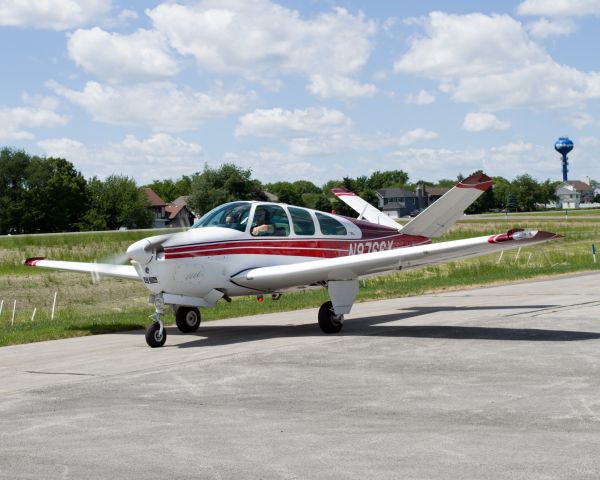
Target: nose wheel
{"x": 156, "y": 334}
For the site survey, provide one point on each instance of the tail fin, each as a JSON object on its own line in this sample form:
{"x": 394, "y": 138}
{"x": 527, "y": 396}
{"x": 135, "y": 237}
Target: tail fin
{"x": 364, "y": 208}
{"x": 437, "y": 219}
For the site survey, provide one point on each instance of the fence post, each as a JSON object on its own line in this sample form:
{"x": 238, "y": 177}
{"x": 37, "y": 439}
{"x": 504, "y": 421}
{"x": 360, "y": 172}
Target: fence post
{"x": 53, "y": 305}
{"x": 12, "y": 320}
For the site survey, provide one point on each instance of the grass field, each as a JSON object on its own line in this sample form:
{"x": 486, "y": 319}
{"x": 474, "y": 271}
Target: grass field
{"x": 85, "y": 307}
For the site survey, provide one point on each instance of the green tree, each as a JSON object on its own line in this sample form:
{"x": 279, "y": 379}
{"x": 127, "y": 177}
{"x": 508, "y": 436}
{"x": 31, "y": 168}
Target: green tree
{"x": 511, "y": 203}
{"x": 528, "y": 192}
{"x": 226, "y": 183}
{"x": 317, "y": 201}
{"x": 390, "y": 178}
{"x": 548, "y": 191}
{"x": 286, "y": 193}
{"x": 169, "y": 189}
{"x": 39, "y": 194}
{"x": 116, "y": 202}
{"x": 56, "y": 196}
{"x": 13, "y": 184}
{"x": 445, "y": 183}
{"x": 501, "y": 191}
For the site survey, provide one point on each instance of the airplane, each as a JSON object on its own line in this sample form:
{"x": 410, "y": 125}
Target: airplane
{"x": 265, "y": 248}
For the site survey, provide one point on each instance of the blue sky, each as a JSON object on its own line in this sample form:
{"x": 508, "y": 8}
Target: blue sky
{"x": 313, "y": 89}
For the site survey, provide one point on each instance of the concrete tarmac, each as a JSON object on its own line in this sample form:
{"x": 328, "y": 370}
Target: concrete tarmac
{"x": 490, "y": 383}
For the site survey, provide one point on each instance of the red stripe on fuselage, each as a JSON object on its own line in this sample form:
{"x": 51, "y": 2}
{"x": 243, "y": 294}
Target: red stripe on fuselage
{"x": 318, "y": 248}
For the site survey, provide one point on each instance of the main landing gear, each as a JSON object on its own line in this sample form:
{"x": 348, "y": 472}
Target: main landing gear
{"x": 328, "y": 320}
{"x": 187, "y": 319}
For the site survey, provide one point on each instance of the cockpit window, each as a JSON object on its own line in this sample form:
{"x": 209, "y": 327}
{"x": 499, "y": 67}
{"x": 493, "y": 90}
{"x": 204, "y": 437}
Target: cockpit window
{"x": 302, "y": 221}
{"x": 231, "y": 215}
{"x": 270, "y": 220}
{"x": 330, "y": 226}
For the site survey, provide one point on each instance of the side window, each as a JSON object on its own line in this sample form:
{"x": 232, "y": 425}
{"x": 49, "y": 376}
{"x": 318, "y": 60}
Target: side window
{"x": 270, "y": 220}
{"x": 302, "y": 221}
{"x": 330, "y": 226}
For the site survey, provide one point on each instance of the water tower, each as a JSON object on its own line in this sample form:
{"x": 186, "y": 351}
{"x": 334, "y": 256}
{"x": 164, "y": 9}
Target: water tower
{"x": 563, "y": 146}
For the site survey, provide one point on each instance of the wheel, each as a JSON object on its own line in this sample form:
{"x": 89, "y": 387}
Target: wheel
{"x": 329, "y": 321}
{"x": 187, "y": 319}
{"x": 153, "y": 336}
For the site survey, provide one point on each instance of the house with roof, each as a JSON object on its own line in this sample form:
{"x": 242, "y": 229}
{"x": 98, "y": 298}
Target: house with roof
{"x": 158, "y": 206}
{"x": 399, "y": 202}
{"x": 179, "y": 214}
{"x": 567, "y": 197}
{"x": 572, "y": 193}
{"x": 174, "y": 214}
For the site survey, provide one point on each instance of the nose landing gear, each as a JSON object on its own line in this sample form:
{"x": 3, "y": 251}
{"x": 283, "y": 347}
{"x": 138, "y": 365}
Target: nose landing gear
{"x": 156, "y": 334}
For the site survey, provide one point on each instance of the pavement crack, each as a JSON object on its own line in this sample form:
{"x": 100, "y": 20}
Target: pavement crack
{"x": 554, "y": 308}
{"x": 61, "y": 373}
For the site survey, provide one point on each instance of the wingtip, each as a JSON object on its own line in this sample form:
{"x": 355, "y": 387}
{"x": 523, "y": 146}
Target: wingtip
{"x": 338, "y": 191}
{"x": 30, "y": 262}
{"x": 480, "y": 181}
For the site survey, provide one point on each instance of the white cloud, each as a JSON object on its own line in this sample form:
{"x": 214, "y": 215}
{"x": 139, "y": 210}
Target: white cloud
{"x": 156, "y": 157}
{"x": 416, "y": 135}
{"x": 491, "y": 61}
{"x": 320, "y": 131}
{"x": 159, "y": 106}
{"x": 421, "y": 98}
{"x": 586, "y": 141}
{"x": 339, "y": 87}
{"x": 481, "y": 121}
{"x": 559, "y": 8}
{"x": 126, "y": 14}
{"x": 52, "y": 14}
{"x": 292, "y": 123}
{"x": 508, "y": 161}
{"x": 320, "y": 145}
{"x": 544, "y": 28}
{"x": 467, "y": 45}
{"x": 143, "y": 55}
{"x": 16, "y": 122}
{"x": 272, "y": 166}
{"x": 261, "y": 40}
{"x": 581, "y": 119}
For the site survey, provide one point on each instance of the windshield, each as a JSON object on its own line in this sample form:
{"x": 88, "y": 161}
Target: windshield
{"x": 231, "y": 215}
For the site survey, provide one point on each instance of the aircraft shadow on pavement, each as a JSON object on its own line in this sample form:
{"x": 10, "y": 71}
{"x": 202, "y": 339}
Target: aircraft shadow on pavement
{"x": 224, "y": 335}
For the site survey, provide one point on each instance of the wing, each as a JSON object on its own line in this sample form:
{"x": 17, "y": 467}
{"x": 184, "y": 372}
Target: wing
{"x": 437, "y": 219}
{"x": 364, "y": 208}
{"x": 101, "y": 269}
{"x": 343, "y": 268}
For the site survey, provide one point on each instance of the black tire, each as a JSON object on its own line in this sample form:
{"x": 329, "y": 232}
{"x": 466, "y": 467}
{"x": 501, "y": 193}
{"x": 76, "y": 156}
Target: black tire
{"x": 187, "y": 319}
{"x": 327, "y": 319}
{"x": 153, "y": 338}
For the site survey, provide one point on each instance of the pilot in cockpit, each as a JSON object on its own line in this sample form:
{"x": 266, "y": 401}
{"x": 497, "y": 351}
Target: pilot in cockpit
{"x": 262, "y": 225}
{"x": 232, "y": 217}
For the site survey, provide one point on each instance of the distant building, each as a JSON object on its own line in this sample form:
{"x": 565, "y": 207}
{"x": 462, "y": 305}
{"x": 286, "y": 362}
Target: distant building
{"x": 174, "y": 214}
{"x": 179, "y": 214}
{"x": 568, "y": 197}
{"x": 572, "y": 193}
{"x": 399, "y": 202}
{"x": 158, "y": 206}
